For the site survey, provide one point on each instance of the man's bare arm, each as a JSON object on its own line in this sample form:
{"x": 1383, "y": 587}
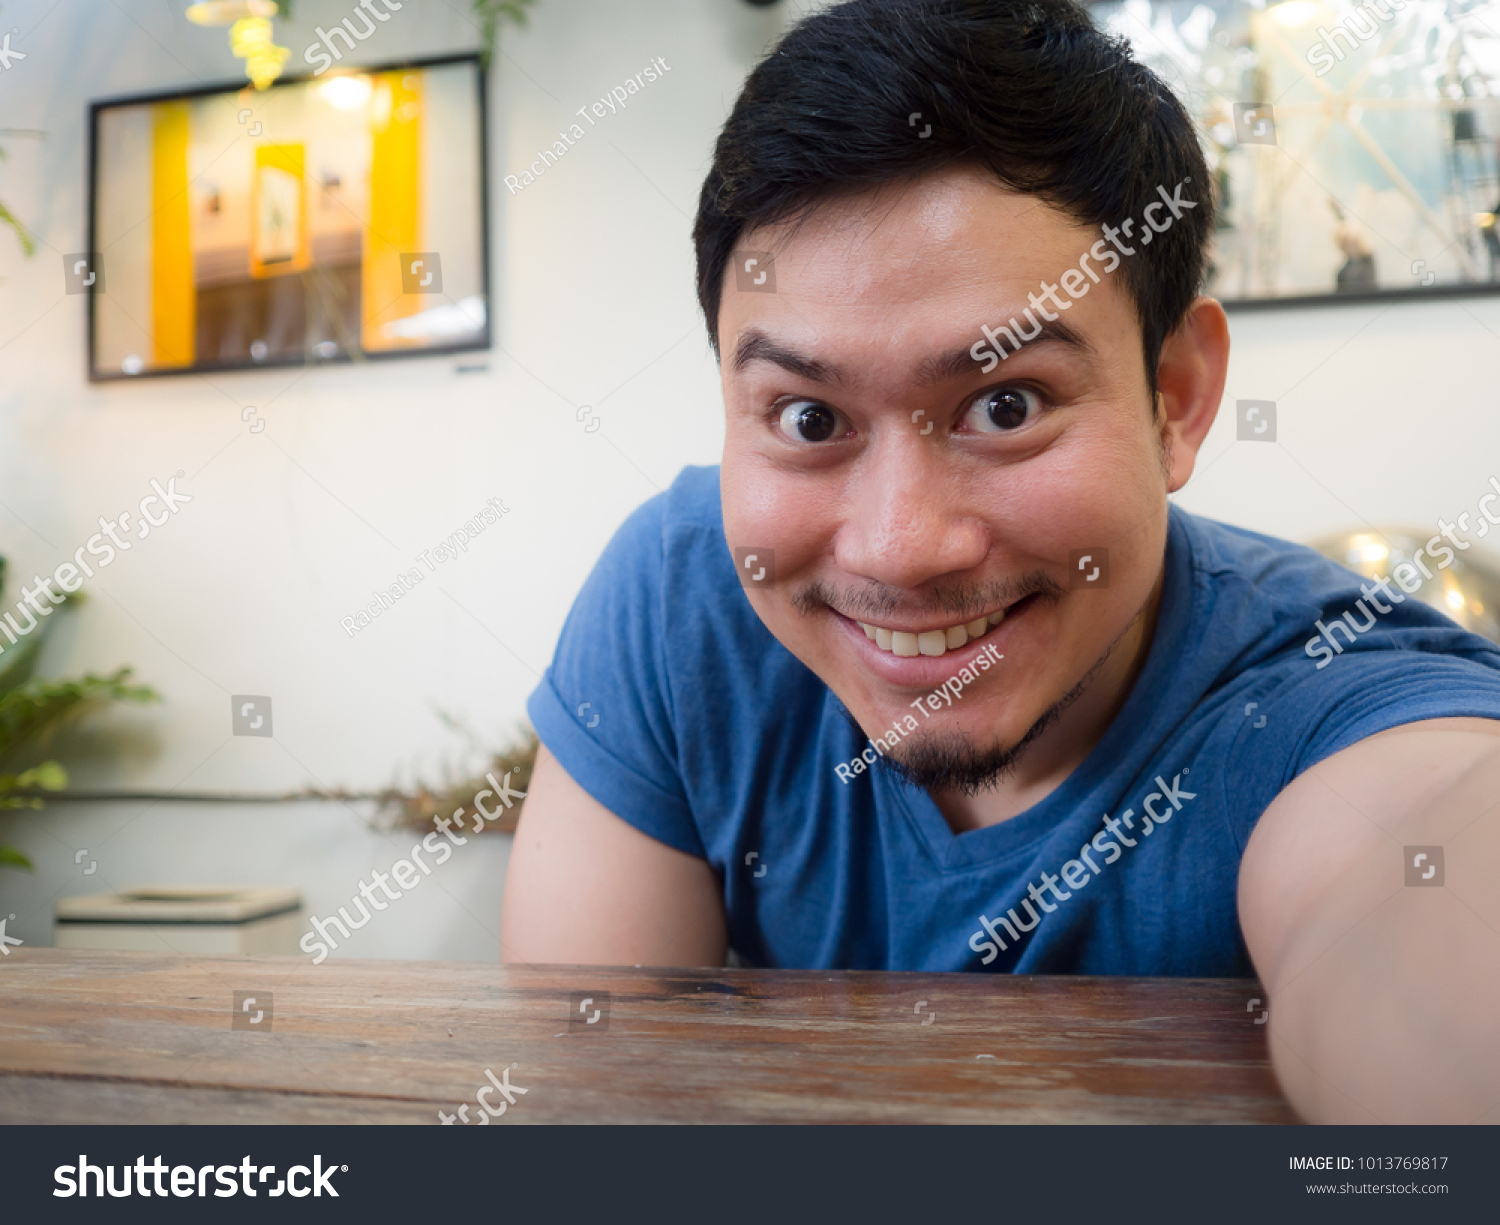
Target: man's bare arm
{"x": 1385, "y": 997}
{"x": 585, "y": 888}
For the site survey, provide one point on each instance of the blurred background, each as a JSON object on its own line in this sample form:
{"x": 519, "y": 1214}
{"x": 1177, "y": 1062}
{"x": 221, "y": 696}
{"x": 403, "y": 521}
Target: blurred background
{"x": 597, "y": 388}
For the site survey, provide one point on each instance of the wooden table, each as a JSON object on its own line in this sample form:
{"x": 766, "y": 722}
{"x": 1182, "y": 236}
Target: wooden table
{"x": 138, "y": 1037}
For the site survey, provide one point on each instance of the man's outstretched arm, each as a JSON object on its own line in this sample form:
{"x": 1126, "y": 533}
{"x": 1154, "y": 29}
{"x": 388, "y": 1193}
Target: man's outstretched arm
{"x": 585, "y": 888}
{"x": 1384, "y": 995}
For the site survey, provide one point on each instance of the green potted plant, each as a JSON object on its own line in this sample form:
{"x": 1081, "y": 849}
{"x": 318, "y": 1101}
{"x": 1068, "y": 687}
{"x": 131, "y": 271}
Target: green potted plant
{"x": 32, "y": 709}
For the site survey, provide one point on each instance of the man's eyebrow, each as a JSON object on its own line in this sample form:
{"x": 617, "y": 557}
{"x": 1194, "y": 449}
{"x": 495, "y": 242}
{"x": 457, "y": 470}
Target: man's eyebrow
{"x": 755, "y": 346}
{"x": 961, "y": 363}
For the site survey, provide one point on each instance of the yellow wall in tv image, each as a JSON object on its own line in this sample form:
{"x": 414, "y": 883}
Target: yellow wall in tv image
{"x": 173, "y": 301}
{"x": 395, "y": 224}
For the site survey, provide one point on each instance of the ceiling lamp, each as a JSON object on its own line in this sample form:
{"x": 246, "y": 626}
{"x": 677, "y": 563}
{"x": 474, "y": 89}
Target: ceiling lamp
{"x": 250, "y": 34}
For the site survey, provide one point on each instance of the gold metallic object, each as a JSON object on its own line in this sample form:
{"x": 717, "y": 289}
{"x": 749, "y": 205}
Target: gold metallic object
{"x": 1466, "y": 590}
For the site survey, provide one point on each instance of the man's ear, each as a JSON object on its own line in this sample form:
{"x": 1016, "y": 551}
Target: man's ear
{"x": 1190, "y": 379}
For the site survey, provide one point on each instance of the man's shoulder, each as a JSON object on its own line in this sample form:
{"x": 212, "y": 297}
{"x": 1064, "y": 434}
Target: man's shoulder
{"x": 671, "y": 553}
{"x": 1297, "y": 587}
{"x": 692, "y": 504}
{"x": 1275, "y": 591}
{"x": 687, "y": 517}
{"x": 1279, "y": 569}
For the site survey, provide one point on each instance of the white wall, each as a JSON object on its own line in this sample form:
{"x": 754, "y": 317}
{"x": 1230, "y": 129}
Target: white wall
{"x": 1386, "y": 414}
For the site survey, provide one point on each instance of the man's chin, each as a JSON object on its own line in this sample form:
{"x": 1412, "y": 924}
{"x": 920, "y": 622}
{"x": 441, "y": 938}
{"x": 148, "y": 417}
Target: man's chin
{"x": 947, "y": 759}
{"x": 951, "y": 761}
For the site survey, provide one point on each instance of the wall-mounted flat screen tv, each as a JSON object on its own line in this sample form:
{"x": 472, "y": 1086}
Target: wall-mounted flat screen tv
{"x": 341, "y": 217}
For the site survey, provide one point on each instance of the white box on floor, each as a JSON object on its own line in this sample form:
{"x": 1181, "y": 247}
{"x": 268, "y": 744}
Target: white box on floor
{"x": 183, "y": 920}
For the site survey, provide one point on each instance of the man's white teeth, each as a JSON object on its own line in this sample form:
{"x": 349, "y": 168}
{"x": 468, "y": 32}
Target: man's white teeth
{"x": 930, "y": 642}
{"x": 934, "y": 642}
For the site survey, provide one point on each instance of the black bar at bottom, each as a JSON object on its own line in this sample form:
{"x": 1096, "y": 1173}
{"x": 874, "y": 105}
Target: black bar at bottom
{"x": 729, "y": 1174}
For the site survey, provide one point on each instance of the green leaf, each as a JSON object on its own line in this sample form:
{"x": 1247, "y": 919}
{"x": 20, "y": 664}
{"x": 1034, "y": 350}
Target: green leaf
{"x": 49, "y": 776}
{"x": 19, "y": 658}
{"x": 28, "y": 245}
{"x": 491, "y": 13}
{"x": 38, "y": 707}
{"x": 17, "y": 663}
{"x": 12, "y": 858}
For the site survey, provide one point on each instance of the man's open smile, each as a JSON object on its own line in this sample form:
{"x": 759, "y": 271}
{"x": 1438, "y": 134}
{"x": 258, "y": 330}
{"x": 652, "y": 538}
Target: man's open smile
{"x": 909, "y": 643}
{"x": 917, "y": 657}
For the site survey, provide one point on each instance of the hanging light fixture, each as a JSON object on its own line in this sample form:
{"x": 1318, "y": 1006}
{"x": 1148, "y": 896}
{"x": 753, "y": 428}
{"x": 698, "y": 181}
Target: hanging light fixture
{"x": 251, "y": 36}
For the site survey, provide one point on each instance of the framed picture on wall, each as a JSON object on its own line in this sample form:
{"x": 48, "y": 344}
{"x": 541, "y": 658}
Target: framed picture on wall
{"x": 1353, "y": 145}
{"x": 342, "y": 217}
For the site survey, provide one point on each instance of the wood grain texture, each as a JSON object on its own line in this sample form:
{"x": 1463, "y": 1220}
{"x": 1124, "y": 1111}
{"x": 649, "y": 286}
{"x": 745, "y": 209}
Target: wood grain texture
{"x": 87, "y": 1036}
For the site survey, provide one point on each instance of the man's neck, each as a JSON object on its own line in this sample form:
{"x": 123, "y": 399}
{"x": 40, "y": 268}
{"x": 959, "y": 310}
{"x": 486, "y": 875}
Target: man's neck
{"x": 1062, "y": 748}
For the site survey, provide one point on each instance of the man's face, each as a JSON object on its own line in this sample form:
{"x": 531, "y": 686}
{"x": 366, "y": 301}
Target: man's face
{"x": 899, "y": 487}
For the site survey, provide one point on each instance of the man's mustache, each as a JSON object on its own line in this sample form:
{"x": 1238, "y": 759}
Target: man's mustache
{"x": 959, "y": 601}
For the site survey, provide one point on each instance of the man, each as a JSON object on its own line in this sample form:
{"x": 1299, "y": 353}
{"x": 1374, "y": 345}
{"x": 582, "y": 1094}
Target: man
{"x": 929, "y": 675}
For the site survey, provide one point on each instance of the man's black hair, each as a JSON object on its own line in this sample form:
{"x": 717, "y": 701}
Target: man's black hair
{"x": 1029, "y": 89}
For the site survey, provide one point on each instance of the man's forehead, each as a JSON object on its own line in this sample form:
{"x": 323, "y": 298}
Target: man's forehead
{"x": 951, "y": 207}
{"x": 886, "y": 252}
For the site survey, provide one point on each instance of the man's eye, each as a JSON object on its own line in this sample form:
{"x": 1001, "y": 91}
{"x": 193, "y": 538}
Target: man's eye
{"x": 1003, "y": 409}
{"x": 808, "y": 421}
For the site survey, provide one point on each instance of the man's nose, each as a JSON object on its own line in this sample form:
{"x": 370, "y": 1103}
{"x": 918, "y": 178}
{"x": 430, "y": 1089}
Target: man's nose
{"x": 908, "y": 519}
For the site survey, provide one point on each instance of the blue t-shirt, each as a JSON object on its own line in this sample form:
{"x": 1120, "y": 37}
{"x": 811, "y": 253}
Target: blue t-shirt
{"x": 671, "y": 704}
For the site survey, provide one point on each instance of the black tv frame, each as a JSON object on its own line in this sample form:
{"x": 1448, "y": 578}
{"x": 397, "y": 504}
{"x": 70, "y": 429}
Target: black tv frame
{"x": 484, "y": 342}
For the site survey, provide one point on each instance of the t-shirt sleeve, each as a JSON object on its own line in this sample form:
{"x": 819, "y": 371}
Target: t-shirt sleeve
{"x": 1358, "y": 695}
{"x": 604, "y": 708}
{"x": 1380, "y": 690}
